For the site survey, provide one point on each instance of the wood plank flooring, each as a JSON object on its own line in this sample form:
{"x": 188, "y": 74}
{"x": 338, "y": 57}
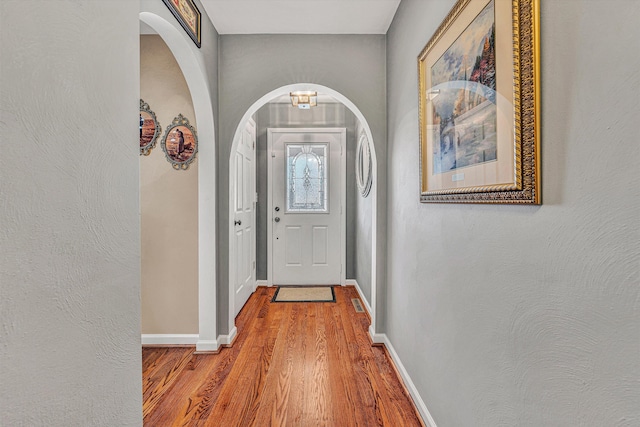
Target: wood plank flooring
{"x": 292, "y": 364}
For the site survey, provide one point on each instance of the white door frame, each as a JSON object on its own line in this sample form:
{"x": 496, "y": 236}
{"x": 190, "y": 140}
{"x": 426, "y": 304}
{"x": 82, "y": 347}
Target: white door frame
{"x": 343, "y": 196}
{"x": 285, "y": 90}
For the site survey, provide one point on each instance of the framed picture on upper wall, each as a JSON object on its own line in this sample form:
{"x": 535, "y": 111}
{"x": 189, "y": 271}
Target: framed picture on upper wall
{"x": 479, "y": 105}
{"x": 188, "y": 14}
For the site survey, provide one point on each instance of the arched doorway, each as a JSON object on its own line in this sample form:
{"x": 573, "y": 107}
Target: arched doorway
{"x": 285, "y": 90}
{"x": 195, "y": 77}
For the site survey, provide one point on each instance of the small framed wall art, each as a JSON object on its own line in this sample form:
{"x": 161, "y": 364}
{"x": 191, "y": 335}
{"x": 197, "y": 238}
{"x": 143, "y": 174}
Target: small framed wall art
{"x": 149, "y": 129}
{"x": 180, "y": 143}
{"x": 479, "y": 105}
{"x": 188, "y": 15}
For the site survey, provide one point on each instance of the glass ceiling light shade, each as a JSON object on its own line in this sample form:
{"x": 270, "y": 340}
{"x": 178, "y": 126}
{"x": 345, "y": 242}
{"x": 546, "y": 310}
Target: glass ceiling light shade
{"x": 304, "y": 99}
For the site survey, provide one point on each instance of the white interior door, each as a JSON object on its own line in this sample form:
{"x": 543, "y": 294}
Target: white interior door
{"x": 243, "y": 264}
{"x": 307, "y": 196}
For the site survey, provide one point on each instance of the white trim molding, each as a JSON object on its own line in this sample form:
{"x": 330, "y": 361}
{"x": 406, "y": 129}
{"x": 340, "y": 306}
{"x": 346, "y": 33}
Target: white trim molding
{"x": 207, "y": 345}
{"x": 376, "y": 338}
{"x": 228, "y": 339}
{"x": 262, "y": 283}
{"x": 413, "y": 391}
{"x": 354, "y": 283}
{"x": 169, "y": 339}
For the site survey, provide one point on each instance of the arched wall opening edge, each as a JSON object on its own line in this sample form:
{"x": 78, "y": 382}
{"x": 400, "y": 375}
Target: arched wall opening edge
{"x": 285, "y": 90}
{"x": 182, "y": 49}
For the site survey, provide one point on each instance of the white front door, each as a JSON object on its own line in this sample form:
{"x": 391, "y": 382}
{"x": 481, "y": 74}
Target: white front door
{"x": 307, "y": 170}
{"x": 243, "y": 259}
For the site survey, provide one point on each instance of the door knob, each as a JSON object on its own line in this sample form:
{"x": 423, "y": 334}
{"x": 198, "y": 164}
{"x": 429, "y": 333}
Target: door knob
{"x": 277, "y": 219}
{"x": 237, "y": 222}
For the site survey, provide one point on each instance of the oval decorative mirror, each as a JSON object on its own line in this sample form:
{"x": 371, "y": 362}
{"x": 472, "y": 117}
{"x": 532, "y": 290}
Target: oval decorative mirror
{"x": 180, "y": 143}
{"x": 363, "y": 165}
{"x": 149, "y": 129}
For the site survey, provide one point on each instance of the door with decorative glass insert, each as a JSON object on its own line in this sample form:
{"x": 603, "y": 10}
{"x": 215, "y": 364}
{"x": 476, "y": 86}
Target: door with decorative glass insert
{"x": 306, "y": 198}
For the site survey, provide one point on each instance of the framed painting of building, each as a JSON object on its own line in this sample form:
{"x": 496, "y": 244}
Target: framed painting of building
{"x": 188, "y": 15}
{"x": 479, "y": 105}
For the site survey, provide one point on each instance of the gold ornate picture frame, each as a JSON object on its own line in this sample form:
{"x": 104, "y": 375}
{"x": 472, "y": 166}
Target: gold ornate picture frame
{"x": 480, "y": 105}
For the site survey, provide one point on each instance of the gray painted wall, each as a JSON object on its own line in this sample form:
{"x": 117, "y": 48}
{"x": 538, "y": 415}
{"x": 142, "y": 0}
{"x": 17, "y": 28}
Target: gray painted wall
{"x": 363, "y": 236}
{"x": 254, "y": 65}
{"x": 70, "y": 233}
{"x": 527, "y": 316}
{"x": 274, "y": 115}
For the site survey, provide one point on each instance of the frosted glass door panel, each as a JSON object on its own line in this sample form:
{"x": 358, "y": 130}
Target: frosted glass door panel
{"x": 306, "y": 178}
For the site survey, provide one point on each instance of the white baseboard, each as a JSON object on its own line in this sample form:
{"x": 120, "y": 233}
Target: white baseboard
{"x": 376, "y": 338}
{"x": 262, "y": 283}
{"x": 169, "y": 339}
{"x": 207, "y": 345}
{"x": 353, "y": 282}
{"x": 413, "y": 391}
{"x": 228, "y": 339}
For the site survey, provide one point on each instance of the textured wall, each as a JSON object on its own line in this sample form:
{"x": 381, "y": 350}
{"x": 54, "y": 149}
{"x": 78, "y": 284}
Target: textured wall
{"x": 254, "y": 65}
{"x": 168, "y": 204}
{"x": 363, "y": 236}
{"x": 275, "y": 115}
{"x": 527, "y": 316}
{"x": 69, "y": 233}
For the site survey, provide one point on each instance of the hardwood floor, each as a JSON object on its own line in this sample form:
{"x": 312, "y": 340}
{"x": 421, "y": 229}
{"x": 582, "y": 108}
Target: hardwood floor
{"x": 292, "y": 364}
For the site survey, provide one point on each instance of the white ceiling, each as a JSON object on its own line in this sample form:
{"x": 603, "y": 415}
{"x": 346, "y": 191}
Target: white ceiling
{"x": 301, "y": 16}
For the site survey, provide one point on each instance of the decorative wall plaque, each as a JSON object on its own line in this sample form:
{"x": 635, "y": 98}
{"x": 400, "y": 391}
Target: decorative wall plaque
{"x": 363, "y": 165}
{"x": 180, "y": 143}
{"x": 149, "y": 129}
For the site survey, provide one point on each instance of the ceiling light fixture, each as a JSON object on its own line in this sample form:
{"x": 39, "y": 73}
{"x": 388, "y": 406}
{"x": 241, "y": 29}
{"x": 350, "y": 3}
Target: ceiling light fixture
{"x": 304, "y": 100}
